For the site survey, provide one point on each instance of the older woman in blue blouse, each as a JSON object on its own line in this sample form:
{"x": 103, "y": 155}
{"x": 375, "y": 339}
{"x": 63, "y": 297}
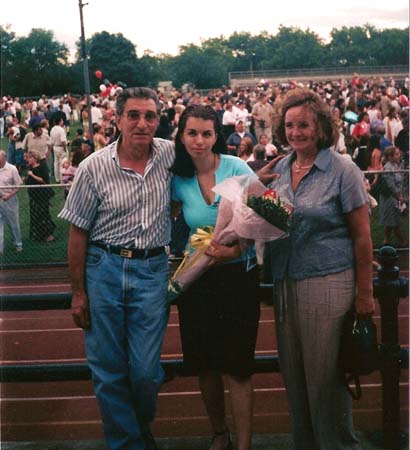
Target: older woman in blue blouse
{"x": 321, "y": 271}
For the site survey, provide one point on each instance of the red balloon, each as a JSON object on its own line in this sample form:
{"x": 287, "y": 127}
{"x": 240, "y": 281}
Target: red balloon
{"x": 403, "y": 100}
{"x": 98, "y": 74}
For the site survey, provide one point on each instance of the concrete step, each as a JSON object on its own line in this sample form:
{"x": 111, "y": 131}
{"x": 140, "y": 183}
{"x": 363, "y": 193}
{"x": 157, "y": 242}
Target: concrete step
{"x": 259, "y": 442}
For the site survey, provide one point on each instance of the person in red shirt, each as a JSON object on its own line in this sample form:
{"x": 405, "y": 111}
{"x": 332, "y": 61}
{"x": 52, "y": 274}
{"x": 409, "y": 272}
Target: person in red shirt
{"x": 362, "y": 127}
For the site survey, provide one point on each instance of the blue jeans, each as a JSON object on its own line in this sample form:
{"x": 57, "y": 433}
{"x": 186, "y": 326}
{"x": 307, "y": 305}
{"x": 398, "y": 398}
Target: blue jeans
{"x": 129, "y": 313}
{"x": 11, "y": 153}
{"x": 9, "y": 214}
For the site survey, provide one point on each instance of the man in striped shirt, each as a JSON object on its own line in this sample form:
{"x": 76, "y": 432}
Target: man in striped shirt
{"x": 118, "y": 208}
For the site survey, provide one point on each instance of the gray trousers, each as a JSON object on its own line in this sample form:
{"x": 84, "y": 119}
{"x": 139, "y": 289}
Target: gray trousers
{"x": 309, "y": 315}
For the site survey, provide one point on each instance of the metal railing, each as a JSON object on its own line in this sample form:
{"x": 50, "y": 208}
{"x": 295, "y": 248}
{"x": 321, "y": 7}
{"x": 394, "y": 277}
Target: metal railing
{"x": 400, "y": 70}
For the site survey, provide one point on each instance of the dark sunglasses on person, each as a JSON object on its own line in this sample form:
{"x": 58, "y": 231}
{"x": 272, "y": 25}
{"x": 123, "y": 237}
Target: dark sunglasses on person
{"x": 135, "y": 116}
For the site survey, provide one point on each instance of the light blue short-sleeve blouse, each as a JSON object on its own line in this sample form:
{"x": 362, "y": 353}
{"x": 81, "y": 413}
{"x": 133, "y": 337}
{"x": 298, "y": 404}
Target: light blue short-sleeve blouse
{"x": 197, "y": 212}
{"x": 319, "y": 242}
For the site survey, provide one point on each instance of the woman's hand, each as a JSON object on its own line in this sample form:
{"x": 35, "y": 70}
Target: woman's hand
{"x": 359, "y": 227}
{"x": 265, "y": 174}
{"x": 221, "y": 253}
{"x": 364, "y": 305}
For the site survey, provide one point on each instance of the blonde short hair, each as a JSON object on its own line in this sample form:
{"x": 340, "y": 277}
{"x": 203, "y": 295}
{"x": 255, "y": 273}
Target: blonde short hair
{"x": 35, "y": 154}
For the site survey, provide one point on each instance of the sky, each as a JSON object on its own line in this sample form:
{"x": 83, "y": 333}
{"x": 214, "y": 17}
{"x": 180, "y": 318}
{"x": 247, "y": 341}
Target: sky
{"x": 162, "y": 25}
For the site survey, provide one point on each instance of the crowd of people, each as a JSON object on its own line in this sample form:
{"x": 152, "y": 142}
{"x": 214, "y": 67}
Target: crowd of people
{"x": 152, "y": 156}
{"x": 361, "y": 108}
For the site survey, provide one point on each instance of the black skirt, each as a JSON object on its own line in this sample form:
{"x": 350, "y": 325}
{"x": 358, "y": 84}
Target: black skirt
{"x": 219, "y": 316}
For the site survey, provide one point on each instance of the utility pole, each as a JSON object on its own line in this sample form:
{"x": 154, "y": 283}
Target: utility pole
{"x": 85, "y": 70}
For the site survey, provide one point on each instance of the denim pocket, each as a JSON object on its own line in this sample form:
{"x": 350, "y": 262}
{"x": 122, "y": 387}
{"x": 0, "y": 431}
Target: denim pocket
{"x": 94, "y": 257}
{"x": 158, "y": 264}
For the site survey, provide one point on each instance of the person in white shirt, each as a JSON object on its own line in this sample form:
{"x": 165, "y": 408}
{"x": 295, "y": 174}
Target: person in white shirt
{"x": 243, "y": 114}
{"x": 39, "y": 141}
{"x": 67, "y": 111}
{"x": 228, "y": 121}
{"x": 59, "y": 140}
{"x": 9, "y": 206}
{"x": 271, "y": 149}
{"x": 96, "y": 114}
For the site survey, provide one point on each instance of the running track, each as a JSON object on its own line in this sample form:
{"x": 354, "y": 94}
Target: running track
{"x": 68, "y": 410}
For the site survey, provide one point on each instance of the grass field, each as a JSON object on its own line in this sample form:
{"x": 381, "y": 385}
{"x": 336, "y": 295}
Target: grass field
{"x": 36, "y": 253}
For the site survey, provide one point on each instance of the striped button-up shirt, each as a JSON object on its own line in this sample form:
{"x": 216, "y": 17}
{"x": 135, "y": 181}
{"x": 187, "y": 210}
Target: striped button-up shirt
{"x": 119, "y": 206}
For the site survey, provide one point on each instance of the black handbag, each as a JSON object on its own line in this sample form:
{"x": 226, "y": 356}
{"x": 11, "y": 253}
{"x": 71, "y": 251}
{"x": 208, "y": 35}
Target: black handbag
{"x": 359, "y": 351}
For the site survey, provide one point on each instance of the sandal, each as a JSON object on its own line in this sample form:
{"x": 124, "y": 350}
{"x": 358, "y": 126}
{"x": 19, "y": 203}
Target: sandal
{"x": 228, "y": 441}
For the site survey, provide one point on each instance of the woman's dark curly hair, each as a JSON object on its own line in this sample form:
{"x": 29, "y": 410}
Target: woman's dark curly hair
{"x": 183, "y": 165}
{"x": 325, "y": 125}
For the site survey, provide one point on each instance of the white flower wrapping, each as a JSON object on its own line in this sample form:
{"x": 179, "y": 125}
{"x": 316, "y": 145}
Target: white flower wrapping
{"x": 235, "y": 222}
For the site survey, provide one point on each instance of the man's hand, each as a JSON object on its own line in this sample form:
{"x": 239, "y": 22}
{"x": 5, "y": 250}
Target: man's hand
{"x": 265, "y": 174}
{"x": 80, "y": 310}
{"x": 76, "y": 252}
{"x": 8, "y": 196}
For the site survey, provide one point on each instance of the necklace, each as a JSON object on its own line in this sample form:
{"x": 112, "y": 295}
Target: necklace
{"x": 299, "y": 167}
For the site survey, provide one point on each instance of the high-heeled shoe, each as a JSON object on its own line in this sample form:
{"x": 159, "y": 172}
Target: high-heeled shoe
{"x": 228, "y": 441}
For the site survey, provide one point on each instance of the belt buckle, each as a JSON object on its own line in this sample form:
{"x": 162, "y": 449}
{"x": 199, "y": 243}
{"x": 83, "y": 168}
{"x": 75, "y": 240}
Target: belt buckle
{"x": 126, "y": 253}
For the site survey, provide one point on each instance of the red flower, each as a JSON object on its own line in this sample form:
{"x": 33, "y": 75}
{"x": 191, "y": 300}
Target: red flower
{"x": 270, "y": 194}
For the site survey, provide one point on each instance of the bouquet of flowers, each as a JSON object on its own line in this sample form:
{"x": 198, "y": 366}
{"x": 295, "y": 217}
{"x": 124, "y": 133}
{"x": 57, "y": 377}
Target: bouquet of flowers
{"x": 247, "y": 211}
{"x": 271, "y": 208}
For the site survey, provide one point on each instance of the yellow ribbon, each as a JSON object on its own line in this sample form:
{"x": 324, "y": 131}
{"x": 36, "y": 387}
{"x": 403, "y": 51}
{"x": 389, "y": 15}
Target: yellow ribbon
{"x": 199, "y": 241}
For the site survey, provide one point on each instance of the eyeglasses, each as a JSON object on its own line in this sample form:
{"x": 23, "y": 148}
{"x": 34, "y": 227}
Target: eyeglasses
{"x": 135, "y": 116}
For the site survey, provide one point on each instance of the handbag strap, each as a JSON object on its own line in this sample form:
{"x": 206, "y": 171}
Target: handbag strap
{"x": 356, "y": 391}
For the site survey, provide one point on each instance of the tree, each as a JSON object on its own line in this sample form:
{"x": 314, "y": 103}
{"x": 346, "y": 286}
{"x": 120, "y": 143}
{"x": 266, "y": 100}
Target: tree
{"x": 115, "y": 56}
{"x": 150, "y": 69}
{"x": 352, "y": 46}
{"x": 7, "y": 38}
{"x": 37, "y": 64}
{"x": 249, "y": 52}
{"x": 204, "y": 66}
{"x": 392, "y": 47}
{"x": 295, "y": 48}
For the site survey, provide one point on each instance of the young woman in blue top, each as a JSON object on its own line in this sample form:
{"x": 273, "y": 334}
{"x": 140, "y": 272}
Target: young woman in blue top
{"x": 219, "y": 313}
{"x": 321, "y": 271}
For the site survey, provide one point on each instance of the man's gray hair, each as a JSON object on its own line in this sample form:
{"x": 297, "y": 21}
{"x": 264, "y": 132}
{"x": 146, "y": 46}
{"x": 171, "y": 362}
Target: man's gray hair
{"x": 136, "y": 92}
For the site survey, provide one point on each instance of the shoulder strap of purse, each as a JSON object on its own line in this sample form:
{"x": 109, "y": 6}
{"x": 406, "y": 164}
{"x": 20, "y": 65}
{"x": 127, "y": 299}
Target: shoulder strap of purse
{"x": 356, "y": 391}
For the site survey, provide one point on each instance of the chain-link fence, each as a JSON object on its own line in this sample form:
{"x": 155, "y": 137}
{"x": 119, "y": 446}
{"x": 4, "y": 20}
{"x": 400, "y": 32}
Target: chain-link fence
{"x": 32, "y": 214}
{"x": 389, "y": 207}
{"x": 30, "y": 231}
